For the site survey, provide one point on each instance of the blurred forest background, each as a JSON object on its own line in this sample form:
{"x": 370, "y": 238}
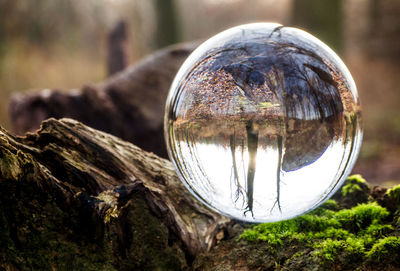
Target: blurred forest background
{"x": 62, "y": 44}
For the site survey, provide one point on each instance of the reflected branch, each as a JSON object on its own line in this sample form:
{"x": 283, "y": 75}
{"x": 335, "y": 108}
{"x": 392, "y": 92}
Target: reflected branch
{"x": 278, "y": 174}
{"x": 239, "y": 189}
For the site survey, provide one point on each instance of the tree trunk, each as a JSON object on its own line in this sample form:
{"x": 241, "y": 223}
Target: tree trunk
{"x": 167, "y": 31}
{"x": 322, "y": 18}
{"x": 117, "y": 57}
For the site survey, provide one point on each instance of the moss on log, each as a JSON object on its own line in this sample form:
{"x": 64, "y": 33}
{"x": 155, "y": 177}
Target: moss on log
{"x": 359, "y": 229}
{"x": 74, "y": 198}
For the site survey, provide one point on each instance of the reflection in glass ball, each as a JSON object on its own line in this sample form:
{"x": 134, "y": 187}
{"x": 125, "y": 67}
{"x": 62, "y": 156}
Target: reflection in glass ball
{"x": 263, "y": 122}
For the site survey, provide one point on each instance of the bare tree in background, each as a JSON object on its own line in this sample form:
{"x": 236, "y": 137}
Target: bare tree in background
{"x": 384, "y": 27}
{"x": 117, "y": 58}
{"x": 321, "y": 17}
{"x": 167, "y": 31}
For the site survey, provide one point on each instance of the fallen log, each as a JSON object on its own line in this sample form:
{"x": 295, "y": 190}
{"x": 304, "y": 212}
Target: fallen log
{"x": 130, "y": 104}
{"x": 74, "y": 198}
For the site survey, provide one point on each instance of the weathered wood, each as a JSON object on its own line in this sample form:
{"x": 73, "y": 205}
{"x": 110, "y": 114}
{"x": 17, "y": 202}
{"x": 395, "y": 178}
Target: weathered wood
{"x": 110, "y": 197}
{"x": 129, "y": 105}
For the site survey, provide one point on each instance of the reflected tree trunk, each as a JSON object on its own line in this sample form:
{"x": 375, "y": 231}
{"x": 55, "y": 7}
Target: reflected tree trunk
{"x": 252, "y": 145}
{"x": 236, "y": 182}
{"x": 278, "y": 173}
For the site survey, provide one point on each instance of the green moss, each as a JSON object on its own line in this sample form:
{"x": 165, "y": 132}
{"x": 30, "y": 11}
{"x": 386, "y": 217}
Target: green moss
{"x": 331, "y": 232}
{"x": 322, "y": 223}
{"x": 350, "y": 188}
{"x": 43, "y": 242}
{"x": 356, "y": 178}
{"x": 329, "y": 249}
{"x": 346, "y": 233}
{"x": 378, "y": 230}
{"x": 36, "y": 234}
{"x": 148, "y": 244}
{"x": 11, "y": 164}
{"x": 361, "y": 216}
{"x": 294, "y": 229}
{"x": 394, "y": 194}
{"x": 353, "y": 184}
{"x": 330, "y": 204}
{"x": 355, "y": 190}
{"x": 385, "y": 249}
{"x": 336, "y": 235}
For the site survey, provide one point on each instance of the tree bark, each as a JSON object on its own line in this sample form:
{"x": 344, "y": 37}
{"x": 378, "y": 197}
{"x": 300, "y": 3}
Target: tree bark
{"x": 71, "y": 191}
{"x": 129, "y": 105}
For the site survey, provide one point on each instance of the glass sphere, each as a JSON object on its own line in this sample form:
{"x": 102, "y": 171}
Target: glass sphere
{"x": 262, "y": 122}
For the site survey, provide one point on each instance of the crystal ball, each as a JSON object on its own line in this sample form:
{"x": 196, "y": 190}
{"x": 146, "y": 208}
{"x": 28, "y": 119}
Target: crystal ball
{"x": 262, "y": 122}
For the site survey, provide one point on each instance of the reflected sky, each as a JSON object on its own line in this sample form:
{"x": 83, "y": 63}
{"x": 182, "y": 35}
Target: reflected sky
{"x": 210, "y": 174}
